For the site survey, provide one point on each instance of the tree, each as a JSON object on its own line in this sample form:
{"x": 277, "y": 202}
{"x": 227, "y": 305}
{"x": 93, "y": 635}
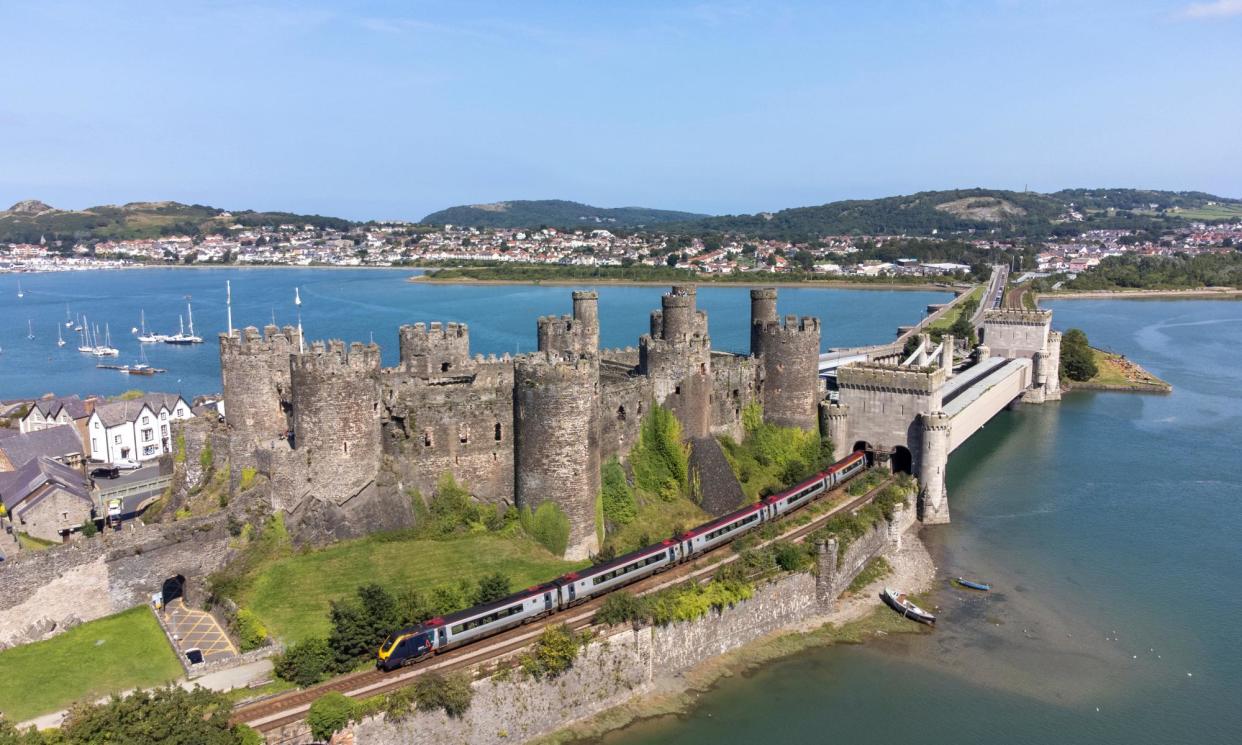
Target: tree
{"x": 89, "y": 528}
{"x": 492, "y": 587}
{"x": 329, "y": 714}
{"x": 452, "y": 693}
{"x": 10, "y": 735}
{"x": 360, "y": 625}
{"x": 306, "y": 662}
{"x": 165, "y": 715}
{"x": 1077, "y": 357}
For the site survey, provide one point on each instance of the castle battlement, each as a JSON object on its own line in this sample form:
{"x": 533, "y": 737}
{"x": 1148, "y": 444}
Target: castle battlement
{"x": 539, "y": 368}
{"x": 872, "y": 376}
{"x": 334, "y": 357}
{"x": 273, "y": 340}
{"x": 790, "y": 325}
{"x": 1018, "y": 316}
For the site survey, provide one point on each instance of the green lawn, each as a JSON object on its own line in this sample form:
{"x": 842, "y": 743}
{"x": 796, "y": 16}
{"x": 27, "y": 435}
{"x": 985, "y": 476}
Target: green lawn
{"x": 655, "y": 521}
{"x": 113, "y": 654}
{"x": 945, "y": 322}
{"x": 291, "y": 595}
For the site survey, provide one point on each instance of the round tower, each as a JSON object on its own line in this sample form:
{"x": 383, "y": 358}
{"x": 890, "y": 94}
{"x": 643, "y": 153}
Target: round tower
{"x": 586, "y": 315}
{"x": 933, "y": 460}
{"x": 790, "y": 357}
{"x": 336, "y": 417}
{"x": 254, "y": 373}
{"x": 556, "y": 428}
{"x": 762, "y": 312}
{"x": 678, "y": 313}
{"x": 834, "y": 423}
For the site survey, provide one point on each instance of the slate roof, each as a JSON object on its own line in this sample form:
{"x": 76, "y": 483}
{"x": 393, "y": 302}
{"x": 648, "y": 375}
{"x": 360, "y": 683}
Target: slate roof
{"x": 53, "y": 442}
{"x": 16, "y": 486}
{"x": 120, "y": 412}
{"x": 76, "y": 407}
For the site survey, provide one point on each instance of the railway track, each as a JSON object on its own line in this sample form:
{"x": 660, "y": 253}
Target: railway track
{"x": 270, "y": 715}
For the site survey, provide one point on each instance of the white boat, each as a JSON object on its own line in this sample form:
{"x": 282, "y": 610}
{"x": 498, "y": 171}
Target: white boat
{"x": 182, "y": 337}
{"x": 899, "y": 602}
{"x": 29, "y": 329}
{"x": 68, "y": 318}
{"x": 106, "y": 349}
{"x": 20, "y": 294}
{"x": 144, "y": 336}
{"x": 60, "y": 340}
{"x": 86, "y": 346}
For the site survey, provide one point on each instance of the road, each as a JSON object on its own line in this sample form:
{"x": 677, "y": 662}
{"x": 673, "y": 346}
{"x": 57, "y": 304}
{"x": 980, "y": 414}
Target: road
{"x": 136, "y": 489}
{"x": 993, "y": 294}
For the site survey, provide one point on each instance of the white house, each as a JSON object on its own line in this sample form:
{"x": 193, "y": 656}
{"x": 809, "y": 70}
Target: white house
{"x": 138, "y": 429}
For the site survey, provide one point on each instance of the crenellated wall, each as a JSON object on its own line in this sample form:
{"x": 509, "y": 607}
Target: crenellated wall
{"x": 791, "y": 388}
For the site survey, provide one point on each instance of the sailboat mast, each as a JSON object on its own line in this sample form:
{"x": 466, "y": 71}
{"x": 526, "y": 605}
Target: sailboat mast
{"x": 189, "y": 311}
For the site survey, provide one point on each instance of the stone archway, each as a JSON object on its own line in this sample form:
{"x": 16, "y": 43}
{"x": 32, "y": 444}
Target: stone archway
{"x": 173, "y": 588}
{"x": 862, "y": 446}
{"x": 902, "y": 461}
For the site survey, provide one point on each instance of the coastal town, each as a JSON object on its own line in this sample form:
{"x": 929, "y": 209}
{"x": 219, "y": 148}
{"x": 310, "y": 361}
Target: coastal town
{"x": 389, "y": 244}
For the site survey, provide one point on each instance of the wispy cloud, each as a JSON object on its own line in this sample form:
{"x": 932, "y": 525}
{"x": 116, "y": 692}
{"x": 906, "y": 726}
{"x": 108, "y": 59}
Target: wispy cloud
{"x": 1215, "y": 9}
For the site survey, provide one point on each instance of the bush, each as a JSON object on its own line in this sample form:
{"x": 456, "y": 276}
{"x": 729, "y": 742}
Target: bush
{"x": 452, "y": 693}
{"x": 396, "y": 705}
{"x": 247, "y": 478}
{"x": 548, "y": 526}
{"x": 791, "y": 557}
{"x": 250, "y": 630}
{"x": 306, "y": 663}
{"x": 492, "y": 587}
{"x": 206, "y": 457}
{"x": 165, "y": 715}
{"x": 660, "y": 461}
{"x": 619, "y": 505}
{"x": 329, "y": 714}
{"x": 620, "y": 607}
{"x": 89, "y": 529}
{"x": 553, "y": 653}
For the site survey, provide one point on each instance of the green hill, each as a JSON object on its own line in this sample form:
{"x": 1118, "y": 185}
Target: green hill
{"x": 987, "y": 211}
{"x": 556, "y": 213}
{"x": 31, "y": 220}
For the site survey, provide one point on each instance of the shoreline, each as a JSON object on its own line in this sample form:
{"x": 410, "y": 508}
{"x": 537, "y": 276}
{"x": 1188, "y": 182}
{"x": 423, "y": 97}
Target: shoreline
{"x": 859, "y": 617}
{"x": 839, "y": 284}
{"x": 1217, "y": 293}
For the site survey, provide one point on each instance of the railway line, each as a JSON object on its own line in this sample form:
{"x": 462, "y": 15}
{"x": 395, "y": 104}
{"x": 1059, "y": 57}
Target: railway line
{"x": 272, "y": 714}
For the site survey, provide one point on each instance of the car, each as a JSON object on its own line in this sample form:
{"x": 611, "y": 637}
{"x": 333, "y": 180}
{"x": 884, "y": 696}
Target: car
{"x": 126, "y": 464}
{"x": 114, "y": 509}
{"x": 105, "y": 472}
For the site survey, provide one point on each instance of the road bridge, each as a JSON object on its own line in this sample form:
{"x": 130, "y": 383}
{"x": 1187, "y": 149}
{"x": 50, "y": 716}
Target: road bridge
{"x": 913, "y": 413}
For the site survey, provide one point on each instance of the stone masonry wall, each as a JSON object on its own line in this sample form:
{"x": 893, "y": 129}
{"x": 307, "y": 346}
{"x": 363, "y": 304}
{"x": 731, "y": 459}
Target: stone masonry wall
{"x": 50, "y": 591}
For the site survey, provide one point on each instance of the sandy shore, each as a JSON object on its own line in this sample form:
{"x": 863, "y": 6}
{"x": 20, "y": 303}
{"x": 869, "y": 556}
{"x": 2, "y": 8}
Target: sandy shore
{"x": 569, "y": 282}
{"x": 858, "y": 616}
{"x": 1224, "y": 293}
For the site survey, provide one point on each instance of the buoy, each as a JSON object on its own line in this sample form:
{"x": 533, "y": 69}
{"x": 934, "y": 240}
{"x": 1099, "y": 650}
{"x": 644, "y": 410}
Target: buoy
{"x": 1190, "y": 675}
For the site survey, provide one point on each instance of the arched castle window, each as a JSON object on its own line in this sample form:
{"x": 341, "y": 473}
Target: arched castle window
{"x": 620, "y": 413}
{"x": 444, "y": 366}
{"x": 463, "y": 435}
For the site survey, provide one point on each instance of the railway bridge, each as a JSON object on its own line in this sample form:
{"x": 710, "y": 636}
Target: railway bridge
{"x": 912, "y": 412}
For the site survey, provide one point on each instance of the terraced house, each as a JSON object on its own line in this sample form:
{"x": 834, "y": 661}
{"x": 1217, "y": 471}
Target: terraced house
{"x": 137, "y": 429}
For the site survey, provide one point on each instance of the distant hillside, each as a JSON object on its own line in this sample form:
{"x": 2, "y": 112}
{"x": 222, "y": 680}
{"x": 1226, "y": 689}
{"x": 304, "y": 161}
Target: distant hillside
{"x": 31, "y": 220}
{"x": 556, "y": 213}
{"x": 1009, "y": 213}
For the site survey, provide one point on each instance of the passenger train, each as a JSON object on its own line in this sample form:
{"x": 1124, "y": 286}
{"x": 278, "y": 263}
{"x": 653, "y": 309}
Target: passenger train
{"x": 415, "y": 643}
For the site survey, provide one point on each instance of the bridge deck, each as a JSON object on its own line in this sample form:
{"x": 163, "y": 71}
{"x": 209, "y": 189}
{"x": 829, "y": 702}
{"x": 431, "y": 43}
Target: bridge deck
{"x": 978, "y": 386}
{"x": 968, "y": 377}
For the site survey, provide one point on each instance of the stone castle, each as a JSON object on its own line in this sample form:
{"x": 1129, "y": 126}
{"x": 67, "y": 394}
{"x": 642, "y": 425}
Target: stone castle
{"x": 345, "y": 441}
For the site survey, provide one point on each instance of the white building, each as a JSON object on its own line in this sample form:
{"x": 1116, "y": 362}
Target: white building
{"x": 139, "y": 429}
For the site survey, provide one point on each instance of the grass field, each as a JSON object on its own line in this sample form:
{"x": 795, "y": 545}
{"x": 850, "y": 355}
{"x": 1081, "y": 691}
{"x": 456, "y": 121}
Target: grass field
{"x": 109, "y": 655}
{"x": 655, "y": 520}
{"x": 292, "y": 594}
{"x": 945, "y": 322}
{"x": 1213, "y": 212}
{"x": 1116, "y": 371}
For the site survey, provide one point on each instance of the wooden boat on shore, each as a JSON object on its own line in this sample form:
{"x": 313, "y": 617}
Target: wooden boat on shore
{"x": 899, "y": 602}
{"x": 971, "y": 584}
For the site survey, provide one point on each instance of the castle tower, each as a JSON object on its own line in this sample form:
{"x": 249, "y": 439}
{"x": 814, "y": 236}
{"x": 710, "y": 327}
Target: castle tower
{"x": 556, "y": 427}
{"x": 336, "y": 418}
{"x": 578, "y": 333}
{"x": 933, "y": 460}
{"x": 834, "y": 423}
{"x": 444, "y": 349}
{"x": 790, "y": 356}
{"x": 762, "y": 312}
{"x": 254, "y": 373}
{"x": 677, "y": 357}
{"x": 1052, "y": 385}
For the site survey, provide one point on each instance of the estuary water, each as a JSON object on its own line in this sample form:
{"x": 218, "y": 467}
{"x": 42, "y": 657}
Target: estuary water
{"x": 354, "y": 305}
{"x": 1111, "y": 527}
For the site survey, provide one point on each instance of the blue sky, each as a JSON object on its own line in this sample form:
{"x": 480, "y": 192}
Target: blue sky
{"x": 395, "y": 109}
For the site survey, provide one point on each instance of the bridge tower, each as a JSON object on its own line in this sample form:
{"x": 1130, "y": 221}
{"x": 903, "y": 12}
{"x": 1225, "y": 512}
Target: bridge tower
{"x": 933, "y": 460}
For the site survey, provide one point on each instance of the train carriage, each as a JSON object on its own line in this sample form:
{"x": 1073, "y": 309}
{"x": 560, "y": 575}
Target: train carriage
{"x": 601, "y": 578}
{"x": 710, "y": 535}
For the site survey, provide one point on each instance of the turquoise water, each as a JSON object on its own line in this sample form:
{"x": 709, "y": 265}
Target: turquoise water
{"x": 354, "y": 305}
{"x": 1109, "y": 524}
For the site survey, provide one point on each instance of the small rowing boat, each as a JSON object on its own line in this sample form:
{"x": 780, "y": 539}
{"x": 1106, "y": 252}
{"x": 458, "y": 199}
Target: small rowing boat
{"x": 981, "y": 586}
{"x": 900, "y": 603}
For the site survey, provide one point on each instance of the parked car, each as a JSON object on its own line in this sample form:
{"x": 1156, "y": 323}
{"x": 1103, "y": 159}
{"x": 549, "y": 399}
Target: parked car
{"x": 105, "y": 472}
{"x": 127, "y": 464}
{"x": 114, "y": 510}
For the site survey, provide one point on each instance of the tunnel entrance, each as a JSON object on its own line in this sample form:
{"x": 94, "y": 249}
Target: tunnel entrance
{"x": 173, "y": 588}
{"x": 863, "y": 446}
{"x": 902, "y": 461}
